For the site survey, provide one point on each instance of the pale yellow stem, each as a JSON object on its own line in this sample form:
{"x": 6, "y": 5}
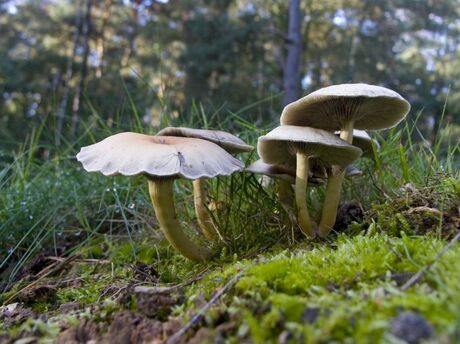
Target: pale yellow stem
{"x": 202, "y": 212}
{"x": 333, "y": 189}
{"x": 301, "y": 181}
{"x": 286, "y": 198}
{"x": 161, "y": 194}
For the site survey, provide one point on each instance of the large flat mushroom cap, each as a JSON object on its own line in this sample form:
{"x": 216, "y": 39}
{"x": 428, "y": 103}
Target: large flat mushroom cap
{"x": 329, "y": 108}
{"x": 157, "y": 156}
{"x": 280, "y": 145}
{"x": 227, "y": 141}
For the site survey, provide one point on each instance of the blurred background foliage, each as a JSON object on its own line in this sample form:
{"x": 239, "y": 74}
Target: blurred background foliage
{"x": 66, "y": 63}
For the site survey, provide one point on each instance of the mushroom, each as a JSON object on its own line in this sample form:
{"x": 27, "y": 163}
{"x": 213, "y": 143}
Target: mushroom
{"x": 345, "y": 107}
{"x": 227, "y": 141}
{"x": 285, "y": 177}
{"x": 362, "y": 140}
{"x": 287, "y": 145}
{"x": 162, "y": 160}
{"x": 352, "y": 171}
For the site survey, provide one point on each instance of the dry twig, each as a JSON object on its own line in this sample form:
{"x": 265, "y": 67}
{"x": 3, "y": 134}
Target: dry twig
{"x": 415, "y": 278}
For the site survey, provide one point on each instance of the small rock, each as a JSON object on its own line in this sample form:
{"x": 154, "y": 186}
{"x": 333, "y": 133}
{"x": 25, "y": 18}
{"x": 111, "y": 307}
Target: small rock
{"x": 15, "y": 313}
{"x": 285, "y": 337}
{"x": 310, "y": 315}
{"x": 85, "y": 332}
{"x": 68, "y": 307}
{"x": 411, "y": 327}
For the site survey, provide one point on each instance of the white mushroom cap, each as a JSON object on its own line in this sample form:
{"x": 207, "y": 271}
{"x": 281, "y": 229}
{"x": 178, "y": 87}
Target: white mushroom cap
{"x": 352, "y": 171}
{"x": 368, "y": 106}
{"x": 227, "y": 141}
{"x": 279, "y": 146}
{"x": 281, "y": 172}
{"x": 362, "y": 140}
{"x": 274, "y": 171}
{"x": 131, "y": 153}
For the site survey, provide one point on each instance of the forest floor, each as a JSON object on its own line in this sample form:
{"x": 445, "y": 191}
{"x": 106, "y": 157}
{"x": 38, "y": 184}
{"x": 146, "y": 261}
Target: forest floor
{"x": 101, "y": 272}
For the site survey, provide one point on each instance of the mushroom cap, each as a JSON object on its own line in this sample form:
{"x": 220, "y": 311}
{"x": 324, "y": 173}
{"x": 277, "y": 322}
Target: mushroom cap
{"x": 227, "y": 141}
{"x": 279, "y": 146}
{"x": 281, "y": 172}
{"x": 362, "y": 140}
{"x": 274, "y": 171}
{"x": 330, "y": 108}
{"x": 352, "y": 171}
{"x": 166, "y": 156}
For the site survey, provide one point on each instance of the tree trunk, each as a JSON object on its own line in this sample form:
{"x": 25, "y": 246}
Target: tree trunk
{"x": 86, "y": 30}
{"x": 131, "y": 37}
{"x": 291, "y": 71}
{"x": 101, "y": 37}
{"x": 68, "y": 76}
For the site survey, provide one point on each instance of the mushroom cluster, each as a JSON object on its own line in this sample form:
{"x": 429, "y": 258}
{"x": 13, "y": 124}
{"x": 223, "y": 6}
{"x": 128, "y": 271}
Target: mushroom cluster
{"x": 317, "y": 139}
{"x": 173, "y": 153}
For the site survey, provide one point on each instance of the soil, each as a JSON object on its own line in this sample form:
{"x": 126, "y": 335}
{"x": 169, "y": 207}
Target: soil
{"x": 348, "y": 213}
{"x": 156, "y": 301}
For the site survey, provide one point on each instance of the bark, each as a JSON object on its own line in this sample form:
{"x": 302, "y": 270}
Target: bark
{"x": 68, "y": 76}
{"x": 291, "y": 72}
{"x": 101, "y": 37}
{"x": 131, "y": 37}
{"x": 86, "y": 30}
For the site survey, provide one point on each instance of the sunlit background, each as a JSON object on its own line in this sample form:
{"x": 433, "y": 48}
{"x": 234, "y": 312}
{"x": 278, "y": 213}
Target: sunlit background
{"x": 62, "y": 62}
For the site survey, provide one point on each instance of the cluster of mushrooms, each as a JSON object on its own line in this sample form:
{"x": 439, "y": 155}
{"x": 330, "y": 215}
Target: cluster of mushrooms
{"x": 317, "y": 140}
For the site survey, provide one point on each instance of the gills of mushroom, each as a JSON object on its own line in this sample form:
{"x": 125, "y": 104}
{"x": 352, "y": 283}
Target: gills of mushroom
{"x": 227, "y": 141}
{"x": 290, "y": 145}
{"x": 161, "y": 159}
{"x": 345, "y": 107}
{"x": 362, "y": 140}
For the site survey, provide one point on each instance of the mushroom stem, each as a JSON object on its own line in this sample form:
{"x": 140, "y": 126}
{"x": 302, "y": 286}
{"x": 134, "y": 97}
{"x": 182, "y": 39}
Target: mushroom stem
{"x": 346, "y": 133}
{"x": 301, "y": 181}
{"x": 202, "y": 212}
{"x": 334, "y": 189}
{"x": 331, "y": 203}
{"x": 161, "y": 194}
{"x": 286, "y": 198}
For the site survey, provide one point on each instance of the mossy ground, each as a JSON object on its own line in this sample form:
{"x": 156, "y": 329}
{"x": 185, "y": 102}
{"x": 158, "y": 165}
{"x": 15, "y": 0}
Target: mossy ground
{"x": 78, "y": 247}
{"x": 346, "y": 289}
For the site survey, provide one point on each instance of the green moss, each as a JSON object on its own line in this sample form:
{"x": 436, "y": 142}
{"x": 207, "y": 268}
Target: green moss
{"x": 349, "y": 288}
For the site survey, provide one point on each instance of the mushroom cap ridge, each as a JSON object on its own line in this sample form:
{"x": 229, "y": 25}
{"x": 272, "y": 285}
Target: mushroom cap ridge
{"x": 279, "y": 146}
{"x": 329, "y": 108}
{"x": 157, "y": 156}
{"x": 227, "y": 141}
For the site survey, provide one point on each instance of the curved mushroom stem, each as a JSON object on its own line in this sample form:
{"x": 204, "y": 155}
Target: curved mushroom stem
{"x": 161, "y": 194}
{"x": 333, "y": 190}
{"x": 202, "y": 212}
{"x": 301, "y": 181}
{"x": 286, "y": 198}
{"x": 331, "y": 204}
